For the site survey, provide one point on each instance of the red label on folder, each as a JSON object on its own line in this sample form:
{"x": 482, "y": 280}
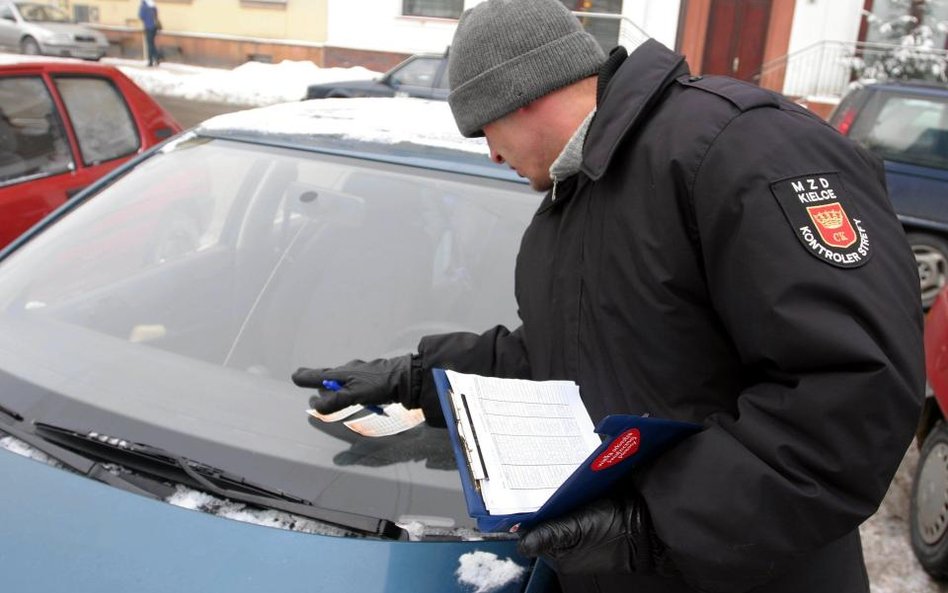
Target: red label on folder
{"x": 625, "y": 445}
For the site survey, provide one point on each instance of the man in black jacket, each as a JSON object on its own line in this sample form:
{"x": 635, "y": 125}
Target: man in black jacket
{"x": 707, "y": 251}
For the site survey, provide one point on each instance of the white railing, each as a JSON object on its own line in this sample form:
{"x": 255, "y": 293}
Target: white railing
{"x": 828, "y": 68}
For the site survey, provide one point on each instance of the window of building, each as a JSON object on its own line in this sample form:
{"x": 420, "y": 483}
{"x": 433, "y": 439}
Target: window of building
{"x": 449, "y": 9}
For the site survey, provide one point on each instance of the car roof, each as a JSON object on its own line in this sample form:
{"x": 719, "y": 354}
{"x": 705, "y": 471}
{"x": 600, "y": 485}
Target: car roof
{"x": 398, "y": 130}
{"x": 32, "y": 66}
{"x": 922, "y": 87}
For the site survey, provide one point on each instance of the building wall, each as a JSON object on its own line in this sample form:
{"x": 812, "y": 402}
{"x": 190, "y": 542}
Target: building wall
{"x": 294, "y": 20}
{"x": 659, "y": 18}
{"x": 352, "y": 24}
{"x": 370, "y": 33}
{"x": 379, "y": 25}
{"x": 824, "y": 20}
{"x": 816, "y": 70}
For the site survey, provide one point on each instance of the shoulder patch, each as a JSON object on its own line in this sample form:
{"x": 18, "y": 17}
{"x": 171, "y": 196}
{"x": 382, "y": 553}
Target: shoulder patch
{"x": 824, "y": 219}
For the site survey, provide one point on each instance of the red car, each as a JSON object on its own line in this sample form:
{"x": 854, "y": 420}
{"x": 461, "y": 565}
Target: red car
{"x": 62, "y": 126}
{"x": 929, "y": 505}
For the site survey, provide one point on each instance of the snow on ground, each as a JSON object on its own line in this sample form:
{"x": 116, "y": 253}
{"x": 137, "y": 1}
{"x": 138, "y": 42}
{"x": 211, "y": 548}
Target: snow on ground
{"x": 252, "y": 83}
{"x": 885, "y": 539}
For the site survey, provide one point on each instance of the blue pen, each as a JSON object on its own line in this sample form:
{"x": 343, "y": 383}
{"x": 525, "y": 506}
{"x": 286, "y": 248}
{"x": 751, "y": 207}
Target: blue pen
{"x": 336, "y": 386}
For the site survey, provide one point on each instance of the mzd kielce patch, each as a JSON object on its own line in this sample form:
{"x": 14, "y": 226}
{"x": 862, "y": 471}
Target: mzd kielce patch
{"x": 824, "y": 218}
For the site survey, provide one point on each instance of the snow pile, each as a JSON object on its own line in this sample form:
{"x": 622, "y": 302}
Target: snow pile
{"x": 252, "y": 83}
{"x": 200, "y": 501}
{"x": 485, "y": 572}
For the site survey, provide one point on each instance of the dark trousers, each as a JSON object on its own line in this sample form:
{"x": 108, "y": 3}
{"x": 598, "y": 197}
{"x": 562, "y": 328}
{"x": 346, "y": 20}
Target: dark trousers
{"x": 153, "y": 57}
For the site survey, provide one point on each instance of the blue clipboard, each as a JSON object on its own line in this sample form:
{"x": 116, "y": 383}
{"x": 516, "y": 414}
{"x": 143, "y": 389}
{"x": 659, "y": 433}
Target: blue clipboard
{"x": 629, "y": 441}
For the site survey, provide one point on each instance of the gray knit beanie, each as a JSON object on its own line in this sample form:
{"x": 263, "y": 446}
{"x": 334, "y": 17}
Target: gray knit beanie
{"x": 507, "y": 53}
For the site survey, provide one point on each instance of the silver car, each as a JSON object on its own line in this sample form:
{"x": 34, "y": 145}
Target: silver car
{"x": 42, "y": 29}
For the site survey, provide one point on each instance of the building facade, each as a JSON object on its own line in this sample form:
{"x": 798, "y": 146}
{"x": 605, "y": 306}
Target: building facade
{"x": 742, "y": 38}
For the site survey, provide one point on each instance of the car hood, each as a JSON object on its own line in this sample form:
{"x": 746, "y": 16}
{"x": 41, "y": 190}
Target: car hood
{"x": 57, "y": 527}
{"x": 227, "y": 419}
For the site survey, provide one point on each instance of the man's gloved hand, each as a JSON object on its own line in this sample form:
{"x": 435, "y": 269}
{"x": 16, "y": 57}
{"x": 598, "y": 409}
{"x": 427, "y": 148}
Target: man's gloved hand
{"x": 375, "y": 382}
{"x": 611, "y": 535}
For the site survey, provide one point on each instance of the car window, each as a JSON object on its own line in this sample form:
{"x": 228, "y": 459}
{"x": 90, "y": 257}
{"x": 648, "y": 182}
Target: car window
{"x": 418, "y": 72}
{"x": 36, "y": 12}
{"x": 907, "y": 128}
{"x": 32, "y": 139}
{"x": 265, "y": 260}
{"x": 189, "y": 289}
{"x": 7, "y": 13}
{"x": 101, "y": 119}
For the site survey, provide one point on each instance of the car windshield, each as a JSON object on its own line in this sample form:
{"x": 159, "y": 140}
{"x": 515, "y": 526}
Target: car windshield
{"x": 172, "y": 307}
{"x": 36, "y": 12}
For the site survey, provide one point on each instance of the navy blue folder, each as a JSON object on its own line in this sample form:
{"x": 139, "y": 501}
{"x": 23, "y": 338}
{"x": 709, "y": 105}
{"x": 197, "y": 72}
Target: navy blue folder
{"x": 628, "y": 442}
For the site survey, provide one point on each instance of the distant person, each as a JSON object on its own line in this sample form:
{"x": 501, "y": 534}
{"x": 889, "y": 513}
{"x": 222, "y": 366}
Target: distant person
{"x": 148, "y": 13}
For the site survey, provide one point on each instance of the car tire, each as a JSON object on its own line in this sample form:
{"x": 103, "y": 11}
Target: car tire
{"x": 928, "y": 512}
{"x": 931, "y": 254}
{"x": 30, "y": 47}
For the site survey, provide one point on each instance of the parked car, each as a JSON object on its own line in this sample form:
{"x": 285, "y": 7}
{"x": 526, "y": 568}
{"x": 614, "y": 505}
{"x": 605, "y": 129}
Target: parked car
{"x": 907, "y": 125}
{"x": 928, "y": 514}
{"x": 422, "y": 75}
{"x": 62, "y": 126}
{"x": 149, "y": 329}
{"x": 39, "y": 28}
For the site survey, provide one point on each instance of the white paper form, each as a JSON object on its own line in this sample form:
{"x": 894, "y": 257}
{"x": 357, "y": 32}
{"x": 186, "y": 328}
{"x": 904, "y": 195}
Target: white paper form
{"x": 396, "y": 419}
{"x": 532, "y": 436}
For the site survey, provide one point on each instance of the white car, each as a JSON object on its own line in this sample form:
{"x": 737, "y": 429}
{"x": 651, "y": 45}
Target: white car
{"x": 37, "y": 28}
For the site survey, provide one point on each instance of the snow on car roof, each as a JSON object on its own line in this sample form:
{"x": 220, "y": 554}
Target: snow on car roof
{"x": 365, "y": 120}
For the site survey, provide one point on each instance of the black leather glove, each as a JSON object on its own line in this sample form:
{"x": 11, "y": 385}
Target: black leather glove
{"x": 611, "y": 535}
{"x": 375, "y": 382}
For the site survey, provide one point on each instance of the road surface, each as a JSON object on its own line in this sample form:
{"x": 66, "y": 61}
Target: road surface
{"x": 190, "y": 113}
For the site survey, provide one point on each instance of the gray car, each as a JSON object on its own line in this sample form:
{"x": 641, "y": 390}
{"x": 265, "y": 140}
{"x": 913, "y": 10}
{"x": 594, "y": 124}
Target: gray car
{"x": 42, "y": 29}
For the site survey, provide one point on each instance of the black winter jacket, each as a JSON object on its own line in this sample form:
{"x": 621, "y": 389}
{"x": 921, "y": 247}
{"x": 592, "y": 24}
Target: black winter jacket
{"x": 725, "y": 257}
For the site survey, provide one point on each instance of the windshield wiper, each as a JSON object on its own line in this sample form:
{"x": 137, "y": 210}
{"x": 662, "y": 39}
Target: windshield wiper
{"x": 11, "y": 413}
{"x": 159, "y": 462}
{"x": 76, "y": 462}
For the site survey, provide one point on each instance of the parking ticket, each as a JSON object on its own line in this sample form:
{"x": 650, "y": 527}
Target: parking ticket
{"x": 396, "y": 419}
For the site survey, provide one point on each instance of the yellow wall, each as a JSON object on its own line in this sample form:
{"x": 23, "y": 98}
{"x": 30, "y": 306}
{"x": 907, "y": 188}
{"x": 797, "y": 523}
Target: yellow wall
{"x": 300, "y": 20}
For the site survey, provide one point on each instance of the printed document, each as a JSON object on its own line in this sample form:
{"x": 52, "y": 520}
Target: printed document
{"x": 523, "y": 439}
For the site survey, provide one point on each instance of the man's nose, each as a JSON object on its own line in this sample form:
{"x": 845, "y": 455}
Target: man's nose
{"x": 496, "y": 157}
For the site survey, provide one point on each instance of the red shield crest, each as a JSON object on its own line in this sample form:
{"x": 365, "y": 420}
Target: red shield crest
{"x": 833, "y": 225}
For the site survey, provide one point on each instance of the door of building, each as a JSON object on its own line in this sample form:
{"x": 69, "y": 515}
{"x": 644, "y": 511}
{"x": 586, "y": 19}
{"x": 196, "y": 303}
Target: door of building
{"x": 736, "y": 37}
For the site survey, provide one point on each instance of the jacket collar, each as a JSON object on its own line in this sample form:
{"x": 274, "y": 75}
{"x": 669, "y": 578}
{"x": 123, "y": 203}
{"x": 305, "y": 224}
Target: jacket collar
{"x": 628, "y": 96}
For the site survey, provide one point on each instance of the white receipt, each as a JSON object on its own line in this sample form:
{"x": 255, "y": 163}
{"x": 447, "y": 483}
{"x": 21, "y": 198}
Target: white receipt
{"x": 337, "y": 415}
{"x": 396, "y": 419}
